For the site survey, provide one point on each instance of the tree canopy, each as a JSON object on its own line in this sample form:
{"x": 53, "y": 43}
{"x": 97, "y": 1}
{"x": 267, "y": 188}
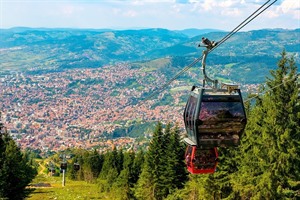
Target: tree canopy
{"x": 16, "y": 172}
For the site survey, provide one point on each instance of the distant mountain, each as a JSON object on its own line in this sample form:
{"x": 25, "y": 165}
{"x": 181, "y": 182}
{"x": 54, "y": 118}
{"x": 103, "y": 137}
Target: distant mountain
{"x": 245, "y": 57}
{"x": 24, "y": 29}
{"x": 73, "y": 48}
{"x": 192, "y": 32}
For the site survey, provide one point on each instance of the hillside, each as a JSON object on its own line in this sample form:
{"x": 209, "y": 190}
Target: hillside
{"x": 65, "y": 49}
{"x": 246, "y": 57}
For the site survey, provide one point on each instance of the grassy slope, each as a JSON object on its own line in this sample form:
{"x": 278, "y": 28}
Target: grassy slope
{"x": 72, "y": 189}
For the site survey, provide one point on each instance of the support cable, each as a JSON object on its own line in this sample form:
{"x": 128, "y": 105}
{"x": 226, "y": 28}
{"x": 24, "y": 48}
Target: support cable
{"x": 235, "y": 30}
{"x": 244, "y": 23}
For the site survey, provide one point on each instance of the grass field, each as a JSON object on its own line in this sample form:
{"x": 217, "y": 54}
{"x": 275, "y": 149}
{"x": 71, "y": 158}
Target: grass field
{"x": 72, "y": 189}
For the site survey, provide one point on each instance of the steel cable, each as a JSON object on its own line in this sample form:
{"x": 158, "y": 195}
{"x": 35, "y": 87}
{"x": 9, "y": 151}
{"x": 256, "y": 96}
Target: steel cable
{"x": 234, "y": 31}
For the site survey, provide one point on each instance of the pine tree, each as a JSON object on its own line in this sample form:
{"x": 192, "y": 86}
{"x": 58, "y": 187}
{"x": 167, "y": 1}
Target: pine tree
{"x": 121, "y": 186}
{"x": 175, "y": 166}
{"x": 270, "y": 163}
{"x": 144, "y": 188}
{"x": 137, "y": 166}
{"x": 164, "y": 168}
{"x": 194, "y": 189}
{"x": 164, "y": 177}
{"x": 112, "y": 175}
{"x": 86, "y": 168}
{"x": 286, "y": 124}
{"x": 110, "y": 170}
{"x": 128, "y": 161}
{"x": 15, "y": 172}
{"x": 157, "y": 162}
{"x": 95, "y": 161}
{"x": 120, "y": 160}
{"x": 149, "y": 184}
{"x": 225, "y": 170}
{"x": 110, "y": 161}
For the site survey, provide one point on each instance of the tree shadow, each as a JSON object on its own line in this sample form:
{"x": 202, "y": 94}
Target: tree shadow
{"x": 31, "y": 191}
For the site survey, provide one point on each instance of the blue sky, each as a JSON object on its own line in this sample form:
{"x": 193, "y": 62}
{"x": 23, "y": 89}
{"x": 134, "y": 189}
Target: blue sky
{"x": 124, "y": 14}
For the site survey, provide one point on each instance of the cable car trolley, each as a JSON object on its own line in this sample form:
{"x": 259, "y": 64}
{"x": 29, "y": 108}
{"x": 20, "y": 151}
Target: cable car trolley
{"x": 214, "y": 116}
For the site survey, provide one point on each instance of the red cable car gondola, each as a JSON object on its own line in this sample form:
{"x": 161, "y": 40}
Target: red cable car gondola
{"x": 201, "y": 161}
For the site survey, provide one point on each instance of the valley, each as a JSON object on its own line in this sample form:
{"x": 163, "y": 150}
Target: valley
{"x": 77, "y": 88}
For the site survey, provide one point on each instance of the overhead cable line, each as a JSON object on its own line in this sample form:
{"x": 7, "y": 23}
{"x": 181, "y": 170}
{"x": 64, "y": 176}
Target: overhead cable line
{"x": 174, "y": 78}
{"x": 235, "y": 30}
{"x": 270, "y": 89}
{"x": 245, "y": 22}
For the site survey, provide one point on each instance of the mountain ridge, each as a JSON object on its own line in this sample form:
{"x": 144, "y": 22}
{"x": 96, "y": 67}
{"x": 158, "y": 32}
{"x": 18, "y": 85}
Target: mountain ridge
{"x": 61, "y": 49}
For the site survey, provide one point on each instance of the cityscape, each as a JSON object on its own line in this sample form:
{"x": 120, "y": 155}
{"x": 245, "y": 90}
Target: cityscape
{"x": 78, "y": 108}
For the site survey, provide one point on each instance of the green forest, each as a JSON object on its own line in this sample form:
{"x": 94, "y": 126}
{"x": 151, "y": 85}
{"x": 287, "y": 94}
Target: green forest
{"x": 266, "y": 165}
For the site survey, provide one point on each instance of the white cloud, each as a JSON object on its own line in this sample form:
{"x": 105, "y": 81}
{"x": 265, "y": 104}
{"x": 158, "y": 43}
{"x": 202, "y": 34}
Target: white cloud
{"x": 217, "y": 8}
{"x": 217, "y": 4}
{"x": 70, "y": 9}
{"x": 172, "y": 14}
{"x": 208, "y": 5}
{"x": 130, "y": 13}
{"x": 227, "y": 4}
{"x": 144, "y": 2}
{"x": 286, "y": 8}
{"x": 176, "y": 8}
{"x": 231, "y": 12}
{"x": 291, "y": 7}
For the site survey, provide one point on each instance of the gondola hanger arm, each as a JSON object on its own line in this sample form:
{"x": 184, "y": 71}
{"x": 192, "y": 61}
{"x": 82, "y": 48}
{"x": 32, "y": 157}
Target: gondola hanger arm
{"x": 206, "y": 78}
{"x": 210, "y": 45}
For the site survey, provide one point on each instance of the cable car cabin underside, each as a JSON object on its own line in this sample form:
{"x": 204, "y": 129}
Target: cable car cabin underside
{"x": 214, "y": 117}
{"x": 201, "y": 161}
